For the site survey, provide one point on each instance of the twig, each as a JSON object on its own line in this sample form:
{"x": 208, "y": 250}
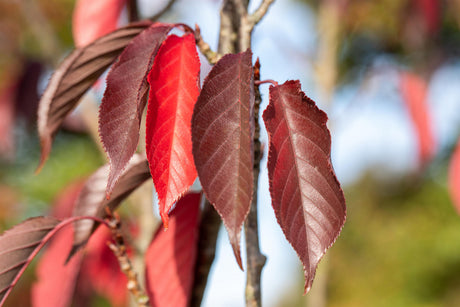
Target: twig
{"x": 204, "y": 47}
{"x": 133, "y": 12}
{"x": 260, "y": 12}
{"x": 255, "y": 259}
{"x": 209, "y": 229}
{"x": 119, "y": 249}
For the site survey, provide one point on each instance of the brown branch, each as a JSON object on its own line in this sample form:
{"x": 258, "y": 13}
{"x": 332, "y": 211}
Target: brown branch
{"x": 119, "y": 249}
{"x": 204, "y": 47}
{"x": 255, "y": 259}
{"x": 209, "y": 229}
{"x": 260, "y": 12}
{"x": 133, "y": 12}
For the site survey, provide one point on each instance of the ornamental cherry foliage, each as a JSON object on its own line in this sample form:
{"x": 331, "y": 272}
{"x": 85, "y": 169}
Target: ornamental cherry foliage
{"x": 206, "y": 132}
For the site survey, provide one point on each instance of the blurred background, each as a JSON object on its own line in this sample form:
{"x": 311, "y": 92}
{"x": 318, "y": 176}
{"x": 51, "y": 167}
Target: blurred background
{"x": 387, "y": 72}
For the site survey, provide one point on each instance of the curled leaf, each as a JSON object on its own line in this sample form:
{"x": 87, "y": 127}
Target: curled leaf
{"x": 306, "y": 195}
{"x": 174, "y": 88}
{"x": 222, "y": 137}
{"x": 170, "y": 258}
{"x": 125, "y": 98}
{"x": 74, "y": 77}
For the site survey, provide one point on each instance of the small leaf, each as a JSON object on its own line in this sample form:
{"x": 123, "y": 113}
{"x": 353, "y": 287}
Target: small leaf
{"x": 414, "y": 93}
{"x": 222, "y": 136}
{"x": 56, "y": 278}
{"x": 93, "y": 19}
{"x": 170, "y": 258}
{"x": 125, "y": 97}
{"x": 174, "y": 88}
{"x": 74, "y": 77}
{"x": 454, "y": 178}
{"x": 92, "y": 201}
{"x": 306, "y": 196}
{"x": 18, "y": 246}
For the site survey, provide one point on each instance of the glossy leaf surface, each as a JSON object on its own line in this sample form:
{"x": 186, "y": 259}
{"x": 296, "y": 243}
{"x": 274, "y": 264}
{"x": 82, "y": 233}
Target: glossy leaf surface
{"x": 306, "y": 196}
{"x": 18, "y": 246}
{"x": 92, "y": 200}
{"x": 170, "y": 258}
{"x": 93, "y": 19}
{"x": 222, "y": 136}
{"x": 414, "y": 93}
{"x": 74, "y": 77}
{"x": 174, "y": 88}
{"x": 125, "y": 98}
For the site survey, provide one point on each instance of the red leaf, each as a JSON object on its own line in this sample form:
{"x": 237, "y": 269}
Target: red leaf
{"x": 306, "y": 196}
{"x": 92, "y": 201}
{"x": 18, "y": 246}
{"x": 125, "y": 97}
{"x": 174, "y": 88}
{"x": 7, "y": 121}
{"x": 93, "y": 19}
{"x": 74, "y": 77}
{"x": 414, "y": 93}
{"x": 56, "y": 278}
{"x": 454, "y": 178}
{"x": 222, "y": 136}
{"x": 170, "y": 258}
{"x": 100, "y": 268}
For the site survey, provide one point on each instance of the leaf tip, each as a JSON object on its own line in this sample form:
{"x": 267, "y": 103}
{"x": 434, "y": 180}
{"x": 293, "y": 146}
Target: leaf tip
{"x": 45, "y": 144}
{"x": 235, "y": 242}
{"x": 165, "y": 219}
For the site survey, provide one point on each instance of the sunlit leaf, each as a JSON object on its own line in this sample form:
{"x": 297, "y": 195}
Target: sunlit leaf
{"x": 74, "y": 77}
{"x": 414, "y": 93}
{"x": 306, "y": 196}
{"x": 174, "y": 88}
{"x": 93, "y": 19}
{"x": 18, "y": 246}
{"x": 170, "y": 258}
{"x": 222, "y": 136}
{"x": 125, "y": 98}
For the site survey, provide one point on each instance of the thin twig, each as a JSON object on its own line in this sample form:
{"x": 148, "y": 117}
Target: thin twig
{"x": 119, "y": 249}
{"x": 204, "y": 47}
{"x": 133, "y": 12}
{"x": 260, "y": 12}
{"x": 255, "y": 259}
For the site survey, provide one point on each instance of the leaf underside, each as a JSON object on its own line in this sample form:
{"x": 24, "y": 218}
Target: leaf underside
{"x": 170, "y": 258}
{"x": 92, "y": 200}
{"x": 93, "y": 19}
{"x": 174, "y": 88}
{"x": 306, "y": 196}
{"x": 17, "y": 248}
{"x": 76, "y": 74}
{"x": 125, "y": 98}
{"x": 222, "y": 136}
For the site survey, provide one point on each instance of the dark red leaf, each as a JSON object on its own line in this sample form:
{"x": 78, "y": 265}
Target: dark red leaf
{"x": 431, "y": 11}
{"x": 306, "y": 196}
{"x": 18, "y": 246}
{"x": 174, "y": 88}
{"x": 414, "y": 92}
{"x": 92, "y": 201}
{"x": 125, "y": 97}
{"x": 7, "y": 121}
{"x": 454, "y": 178}
{"x": 100, "y": 268}
{"x": 170, "y": 258}
{"x": 56, "y": 278}
{"x": 74, "y": 77}
{"x": 93, "y": 19}
{"x": 27, "y": 92}
{"x": 222, "y": 136}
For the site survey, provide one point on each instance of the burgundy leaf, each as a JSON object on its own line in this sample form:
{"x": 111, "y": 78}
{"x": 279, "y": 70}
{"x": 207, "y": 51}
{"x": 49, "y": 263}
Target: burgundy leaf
{"x": 170, "y": 258}
{"x": 18, "y": 246}
{"x": 74, "y": 77}
{"x": 7, "y": 121}
{"x": 306, "y": 196}
{"x": 93, "y": 19}
{"x": 174, "y": 88}
{"x": 454, "y": 177}
{"x": 92, "y": 200}
{"x": 125, "y": 97}
{"x": 56, "y": 278}
{"x": 222, "y": 136}
{"x": 414, "y": 92}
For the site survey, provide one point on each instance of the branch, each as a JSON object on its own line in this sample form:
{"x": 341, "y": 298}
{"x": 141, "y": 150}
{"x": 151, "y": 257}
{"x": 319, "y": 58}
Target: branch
{"x": 260, "y": 12}
{"x": 209, "y": 229}
{"x": 133, "y": 12}
{"x": 119, "y": 249}
{"x": 204, "y": 47}
{"x": 255, "y": 259}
